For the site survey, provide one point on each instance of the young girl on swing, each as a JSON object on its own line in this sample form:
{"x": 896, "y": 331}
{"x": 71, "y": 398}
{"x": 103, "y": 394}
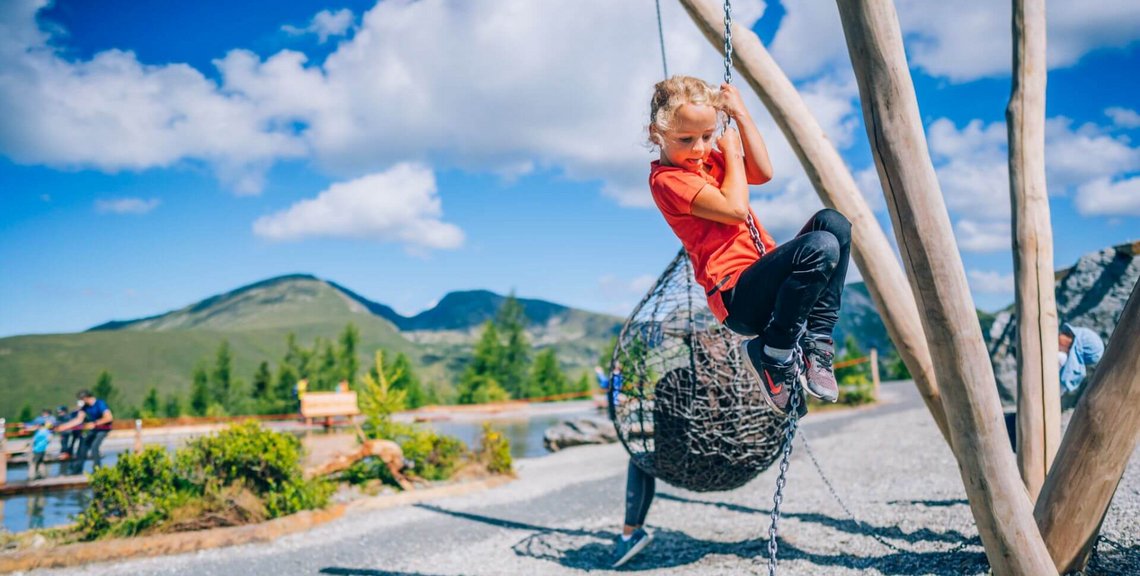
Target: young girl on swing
{"x": 786, "y": 298}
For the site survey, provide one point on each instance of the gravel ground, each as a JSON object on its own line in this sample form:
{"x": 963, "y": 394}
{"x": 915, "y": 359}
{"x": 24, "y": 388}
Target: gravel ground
{"x": 888, "y": 463}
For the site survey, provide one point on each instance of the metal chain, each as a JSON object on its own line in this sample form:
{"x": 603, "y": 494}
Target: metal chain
{"x": 728, "y": 41}
{"x": 778, "y": 497}
{"x": 851, "y": 515}
{"x": 752, "y": 231}
{"x": 661, "y": 37}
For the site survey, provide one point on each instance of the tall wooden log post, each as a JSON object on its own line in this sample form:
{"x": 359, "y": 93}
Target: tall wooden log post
{"x": 1100, "y": 439}
{"x": 998, "y": 499}
{"x": 1038, "y": 382}
{"x": 837, "y": 189}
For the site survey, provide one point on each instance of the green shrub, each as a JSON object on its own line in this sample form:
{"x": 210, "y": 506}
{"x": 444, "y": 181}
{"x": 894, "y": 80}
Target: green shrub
{"x": 136, "y": 493}
{"x": 494, "y": 451}
{"x": 210, "y": 475}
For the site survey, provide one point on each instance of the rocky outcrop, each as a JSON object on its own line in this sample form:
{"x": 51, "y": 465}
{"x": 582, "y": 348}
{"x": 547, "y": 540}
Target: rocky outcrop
{"x": 579, "y": 431}
{"x": 1091, "y": 294}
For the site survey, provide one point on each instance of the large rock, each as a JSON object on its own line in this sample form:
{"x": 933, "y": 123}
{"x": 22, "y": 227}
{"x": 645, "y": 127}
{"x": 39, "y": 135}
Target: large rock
{"x": 1091, "y": 294}
{"x": 584, "y": 430}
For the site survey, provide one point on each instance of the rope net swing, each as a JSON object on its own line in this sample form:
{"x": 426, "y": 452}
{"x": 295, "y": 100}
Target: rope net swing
{"x": 688, "y": 411}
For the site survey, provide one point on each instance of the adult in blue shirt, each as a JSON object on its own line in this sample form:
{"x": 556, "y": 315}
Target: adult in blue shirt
{"x": 1078, "y": 349}
{"x": 96, "y": 420}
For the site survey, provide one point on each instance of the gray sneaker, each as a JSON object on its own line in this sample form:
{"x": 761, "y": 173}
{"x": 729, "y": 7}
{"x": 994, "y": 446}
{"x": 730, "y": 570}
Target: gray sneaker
{"x": 624, "y": 550}
{"x": 778, "y": 381}
{"x": 818, "y": 356}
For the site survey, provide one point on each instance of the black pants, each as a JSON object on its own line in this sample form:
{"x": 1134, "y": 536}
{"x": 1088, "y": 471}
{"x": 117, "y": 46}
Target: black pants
{"x": 639, "y": 490}
{"x": 89, "y": 444}
{"x": 798, "y": 284}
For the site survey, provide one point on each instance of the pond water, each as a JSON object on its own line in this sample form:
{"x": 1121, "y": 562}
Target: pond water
{"x": 21, "y": 513}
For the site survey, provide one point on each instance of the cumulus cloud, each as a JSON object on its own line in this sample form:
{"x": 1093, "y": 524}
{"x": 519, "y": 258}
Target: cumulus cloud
{"x": 523, "y": 92}
{"x": 1105, "y": 197}
{"x": 990, "y": 282}
{"x": 126, "y": 205}
{"x": 619, "y": 294}
{"x": 962, "y": 40}
{"x": 399, "y": 205}
{"x": 1123, "y": 117}
{"x": 326, "y": 24}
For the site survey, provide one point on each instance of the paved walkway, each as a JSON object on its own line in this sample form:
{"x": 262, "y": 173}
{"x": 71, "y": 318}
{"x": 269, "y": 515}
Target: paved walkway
{"x": 560, "y": 516}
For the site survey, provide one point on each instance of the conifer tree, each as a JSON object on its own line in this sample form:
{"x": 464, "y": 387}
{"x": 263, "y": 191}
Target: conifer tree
{"x": 222, "y": 377}
{"x": 479, "y": 380}
{"x": 546, "y": 377}
{"x": 150, "y": 403}
{"x": 347, "y": 361}
{"x": 262, "y": 380}
{"x": 200, "y": 391}
{"x": 105, "y": 389}
{"x": 511, "y": 324}
{"x": 403, "y": 377}
{"x": 173, "y": 406}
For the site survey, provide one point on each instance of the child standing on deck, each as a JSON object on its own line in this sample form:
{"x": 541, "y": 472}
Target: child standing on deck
{"x": 785, "y": 297}
{"x": 40, "y": 442}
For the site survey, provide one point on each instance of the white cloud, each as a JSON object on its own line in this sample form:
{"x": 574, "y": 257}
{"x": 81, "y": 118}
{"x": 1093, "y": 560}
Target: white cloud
{"x": 973, "y": 166}
{"x": 990, "y": 282}
{"x": 619, "y": 294}
{"x": 325, "y": 24}
{"x": 962, "y": 40}
{"x": 1123, "y": 117}
{"x": 784, "y": 212}
{"x": 992, "y": 236}
{"x": 400, "y": 205}
{"x": 1106, "y": 197}
{"x": 126, "y": 205}
{"x": 495, "y": 86}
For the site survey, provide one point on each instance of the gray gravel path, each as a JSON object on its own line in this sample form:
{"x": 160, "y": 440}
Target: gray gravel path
{"x": 559, "y": 518}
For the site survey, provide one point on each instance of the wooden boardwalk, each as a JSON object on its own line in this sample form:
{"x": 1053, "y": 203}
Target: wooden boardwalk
{"x": 52, "y": 484}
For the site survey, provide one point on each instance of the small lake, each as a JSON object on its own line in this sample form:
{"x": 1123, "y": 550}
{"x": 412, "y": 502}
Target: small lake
{"x": 22, "y": 513}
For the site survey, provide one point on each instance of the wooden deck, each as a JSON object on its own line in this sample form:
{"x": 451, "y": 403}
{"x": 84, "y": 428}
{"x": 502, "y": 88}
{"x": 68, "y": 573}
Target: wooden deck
{"x": 51, "y": 484}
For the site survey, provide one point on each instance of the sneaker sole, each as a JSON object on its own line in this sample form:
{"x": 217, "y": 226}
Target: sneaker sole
{"x": 759, "y": 380}
{"x": 633, "y": 551}
{"x": 824, "y": 397}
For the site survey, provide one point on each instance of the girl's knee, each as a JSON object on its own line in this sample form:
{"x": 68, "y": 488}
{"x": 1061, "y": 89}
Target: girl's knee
{"x": 833, "y": 221}
{"x": 823, "y": 250}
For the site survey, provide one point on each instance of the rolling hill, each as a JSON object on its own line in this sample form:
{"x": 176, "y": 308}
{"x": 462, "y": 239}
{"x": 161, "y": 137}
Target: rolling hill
{"x": 162, "y": 350}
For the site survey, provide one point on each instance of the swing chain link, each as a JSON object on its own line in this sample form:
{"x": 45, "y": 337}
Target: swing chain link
{"x": 728, "y": 41}
{"x": 778, "y": 498}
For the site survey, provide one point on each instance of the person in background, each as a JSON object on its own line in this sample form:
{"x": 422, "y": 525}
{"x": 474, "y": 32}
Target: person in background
{"x": 66, "y": 439}
{"x": 1078, "y": 350}
{"x": 40, "y": 442}
{"x": 611, "y": 384}
{"x": 96, "y": 420}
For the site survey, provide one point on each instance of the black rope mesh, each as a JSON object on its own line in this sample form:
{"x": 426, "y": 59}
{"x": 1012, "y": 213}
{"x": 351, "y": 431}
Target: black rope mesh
{"x": 689, "y": 412}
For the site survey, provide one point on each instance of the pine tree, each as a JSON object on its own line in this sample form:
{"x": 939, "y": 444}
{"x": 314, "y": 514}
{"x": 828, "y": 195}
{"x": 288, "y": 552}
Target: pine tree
{"x": 348, "y": 363}
{"x": 200, "y": 391}
{"x": 404, "y": 378}
{"x": 328, "y": 373}
{"x": 173, "y": 406}
{"x": 511, "y": 323}
{"x": 546, "y": 378}
{"x": 105, "y": 388}
{"x": 262, "y": 380}
{"x": 286, "y": 388}
{"x": 583, "y": 383}
{"x": 298, "y": 358}
{"x": 479, "y": 379}
{"x": 150, "y": 403}
{"x": 223, "y": 373}
{"x": 26, "y": 413}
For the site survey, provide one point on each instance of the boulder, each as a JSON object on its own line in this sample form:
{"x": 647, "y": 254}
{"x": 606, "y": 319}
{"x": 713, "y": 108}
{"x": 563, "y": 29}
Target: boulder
{"x": 578, "y": 431}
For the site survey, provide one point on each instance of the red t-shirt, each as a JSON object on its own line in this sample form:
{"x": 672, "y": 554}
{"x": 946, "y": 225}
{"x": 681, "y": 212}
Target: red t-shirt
{"x": 719, "y": 252}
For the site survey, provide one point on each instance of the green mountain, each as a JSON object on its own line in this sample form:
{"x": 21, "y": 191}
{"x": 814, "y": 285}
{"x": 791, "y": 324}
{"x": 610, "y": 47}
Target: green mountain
{"x": 162, "y": 350}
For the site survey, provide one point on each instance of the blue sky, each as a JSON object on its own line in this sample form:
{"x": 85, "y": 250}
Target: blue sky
{"x": 157, "y": 153}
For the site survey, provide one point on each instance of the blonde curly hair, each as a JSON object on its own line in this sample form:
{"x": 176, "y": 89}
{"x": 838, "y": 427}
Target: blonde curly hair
{"x": 670, "y": 94}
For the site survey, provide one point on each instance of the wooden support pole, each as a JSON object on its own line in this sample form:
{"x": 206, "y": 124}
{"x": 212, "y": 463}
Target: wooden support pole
{"x": 1038, "y": 382}
{"x": 998, "y": 500}
{"x": 836, "y": 187}
{"x": 138, "y": 436}
{"x": 3, "y": 451}
{"x": 875, "y": 371}
{"x": 1100, "y": 439}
